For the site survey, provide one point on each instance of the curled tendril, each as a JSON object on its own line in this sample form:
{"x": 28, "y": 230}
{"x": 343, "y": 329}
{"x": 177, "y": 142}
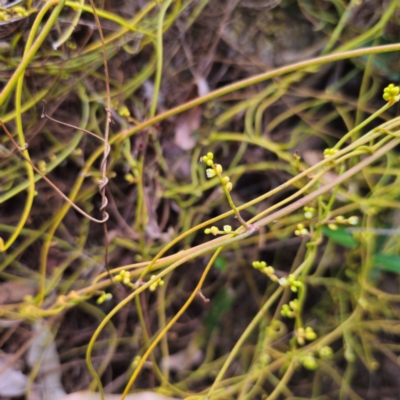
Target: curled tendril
{"x": 104, "y": 179}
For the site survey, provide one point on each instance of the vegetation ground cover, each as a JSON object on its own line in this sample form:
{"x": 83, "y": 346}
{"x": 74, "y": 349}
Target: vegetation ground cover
{"x": 200, "y": 198}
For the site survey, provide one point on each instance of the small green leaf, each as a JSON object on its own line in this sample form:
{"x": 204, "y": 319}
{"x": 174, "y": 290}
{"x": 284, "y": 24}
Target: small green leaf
{"x": 220, "y": 304}
{"x": 388, "y": 262}
{"x": 340, "y": 236}
{"x": 220, "y": 263}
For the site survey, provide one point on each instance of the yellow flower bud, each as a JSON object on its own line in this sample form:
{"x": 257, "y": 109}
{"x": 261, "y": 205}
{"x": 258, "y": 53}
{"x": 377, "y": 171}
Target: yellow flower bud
{"x": 326, "y": 352}
{"x": 123, "y": 111}
{"x": 310, "y": 334}
{"x": 340, "y": 219}
{"x": 210, "y": 173}
{"x": 214, "y": 230}
{"x": 42, "y": 166}
{"x": 218, "y": 169}
{"x": 353, "y": 220}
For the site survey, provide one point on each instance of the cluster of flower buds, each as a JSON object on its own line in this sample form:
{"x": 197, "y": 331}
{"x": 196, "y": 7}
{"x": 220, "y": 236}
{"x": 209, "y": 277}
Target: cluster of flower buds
{"x": 289, "y": 310}
{"x": 305, "y": 334}
{"x": 309, "y": 360}
{"x": 216, "y": 170}
{"x": 340, "y": 220}
{"x": 215, "y": 231}
{"x": 301, "y": 231}
{"x": 124, "y": 277}
{"x": 330, "y": 152}
{"x": 292, "y": 282}
{"x": 309, "y": 212}
{"x": 104, "y": 297}
{"x": 391, "y": 93}
{"x": 266, "y": 270}
{"x": 156, "y": 284}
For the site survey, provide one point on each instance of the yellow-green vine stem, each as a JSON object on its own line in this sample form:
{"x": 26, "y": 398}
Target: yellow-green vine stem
{"x": 28, "y": 56}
